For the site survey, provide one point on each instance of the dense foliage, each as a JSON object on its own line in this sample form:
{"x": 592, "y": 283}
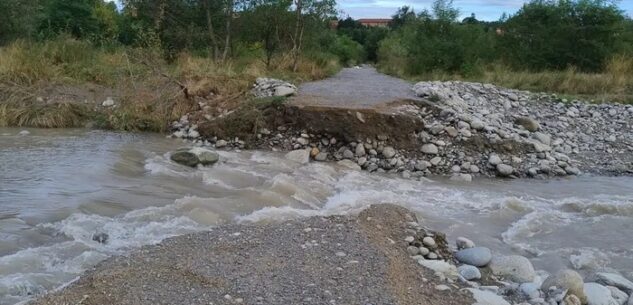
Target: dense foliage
{"x": 219, "y": 29}
{"x": 542, "y": 35}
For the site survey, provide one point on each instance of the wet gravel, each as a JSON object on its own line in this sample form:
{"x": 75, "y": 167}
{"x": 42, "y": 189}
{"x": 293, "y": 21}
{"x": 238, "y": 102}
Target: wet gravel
{"x": 334, "y": 260}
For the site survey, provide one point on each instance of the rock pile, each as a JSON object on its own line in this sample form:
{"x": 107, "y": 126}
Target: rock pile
{"x": 513, "y": 280}
{"x": 267, "y": 87}
{"x": 470, "y": 129}
{"x": 529, "y": 134}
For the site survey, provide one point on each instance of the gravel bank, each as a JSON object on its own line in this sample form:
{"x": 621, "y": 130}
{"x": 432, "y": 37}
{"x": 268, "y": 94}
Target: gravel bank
{"x": 334, "y": 260}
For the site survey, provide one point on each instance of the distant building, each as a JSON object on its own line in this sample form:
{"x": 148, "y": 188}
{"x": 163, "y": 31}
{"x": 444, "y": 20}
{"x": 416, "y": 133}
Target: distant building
{"x": 375, "y": 22}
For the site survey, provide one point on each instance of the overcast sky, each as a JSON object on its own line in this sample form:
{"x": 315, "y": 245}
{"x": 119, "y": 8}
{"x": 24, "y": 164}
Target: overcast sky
{"x": 484, "y": 9}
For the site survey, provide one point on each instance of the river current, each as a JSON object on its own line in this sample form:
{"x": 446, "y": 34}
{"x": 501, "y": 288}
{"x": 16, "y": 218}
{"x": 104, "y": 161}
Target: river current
{"x": 58, "y": 188}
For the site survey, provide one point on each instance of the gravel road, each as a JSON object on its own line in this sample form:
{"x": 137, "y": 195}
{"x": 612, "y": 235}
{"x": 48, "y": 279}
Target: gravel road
{"x": 354, "y": 88}
{"x": 335, "y": 260}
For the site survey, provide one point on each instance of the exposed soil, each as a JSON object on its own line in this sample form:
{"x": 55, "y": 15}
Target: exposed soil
{"x": 334, "y": 260}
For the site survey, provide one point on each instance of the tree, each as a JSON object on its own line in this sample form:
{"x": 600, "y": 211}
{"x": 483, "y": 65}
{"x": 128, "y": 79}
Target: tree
{"x": 558, "y": 34}
{"x": 74, "y": 17}
{"x": 19, "y": 19}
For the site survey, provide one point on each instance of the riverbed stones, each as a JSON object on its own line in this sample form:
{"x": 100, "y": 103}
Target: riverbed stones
{"x": 513, "y": 267}
{"x": 207, "y": 158}
{"x": 598, "y": 295}
{"x": 616, "y": 280}
{"x": 430, "y": 149}
{"x": 441, "y": 267}
{"x": 618, "y": 295}
{"x": 483, "y": 297}
{"x": 494, "y": 160}
{"x": 322, "y": 156}
{"x": 186, "y": 158}
{"x": 389, "y": 152}
{"x": 469, "y": 272}
{"x": 301, "y": 156}
{"x": 360, "y": 151}
{"x": 505, "y": 170}
{"x": 221, "y": 144}
{"x": 566, "y": 279}
{"x": 429, "y": 242}
{"x": 477, "y": 256}
{"x": 528, "y": 123}
{"x": 349, "y": 164}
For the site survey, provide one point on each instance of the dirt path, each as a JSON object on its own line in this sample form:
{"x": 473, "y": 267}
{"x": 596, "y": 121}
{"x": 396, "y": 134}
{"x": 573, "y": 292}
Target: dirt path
{"x": 355, "y": 88}
{"x": 334, "y": 260}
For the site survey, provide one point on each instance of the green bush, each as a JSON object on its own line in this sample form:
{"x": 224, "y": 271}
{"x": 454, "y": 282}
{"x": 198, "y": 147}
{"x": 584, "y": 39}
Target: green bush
{"x": 347, "y": 50}
{"x": 553, "y": 35}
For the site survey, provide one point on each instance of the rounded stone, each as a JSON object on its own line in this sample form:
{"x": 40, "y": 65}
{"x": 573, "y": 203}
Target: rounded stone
{"x": 567, "y": 279}
{"x": 389, "y": 152}
{"x": 413, "y": 250}
{"x": 598, "y": 294}
{"x": 505, "y": 170}
{"x": 477, "y": 256}
{"x": 186, "y": 158}
{"x": 514, "y": 267}
{"x": 424, "y": 251}
{"x": 430, "y": 149}
{"x": 208, "y": 158}
{"x": 429, "y": 242}
{"x": 469, "y": 272}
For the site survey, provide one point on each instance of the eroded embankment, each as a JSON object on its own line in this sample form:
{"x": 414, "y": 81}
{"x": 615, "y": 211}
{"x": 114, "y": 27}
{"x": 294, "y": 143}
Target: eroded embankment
{"x": 451, "y": 128}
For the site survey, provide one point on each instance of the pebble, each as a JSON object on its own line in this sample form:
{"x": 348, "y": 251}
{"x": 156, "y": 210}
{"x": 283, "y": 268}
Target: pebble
{"x": 430, "y": 149}
{"x": 413, "y": 250}
{"x": 429, "y": 242}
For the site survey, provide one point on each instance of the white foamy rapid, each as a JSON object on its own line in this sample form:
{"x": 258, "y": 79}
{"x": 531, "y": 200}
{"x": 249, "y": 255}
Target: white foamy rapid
{"x": 125, "y": 186}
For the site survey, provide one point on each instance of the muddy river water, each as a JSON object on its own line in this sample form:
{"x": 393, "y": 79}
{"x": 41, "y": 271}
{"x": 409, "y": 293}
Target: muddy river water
{"x": 58, "y": 188}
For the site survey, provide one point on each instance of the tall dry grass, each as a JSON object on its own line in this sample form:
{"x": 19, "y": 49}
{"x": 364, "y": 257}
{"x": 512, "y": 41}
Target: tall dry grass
{"x": 150, "y": 92}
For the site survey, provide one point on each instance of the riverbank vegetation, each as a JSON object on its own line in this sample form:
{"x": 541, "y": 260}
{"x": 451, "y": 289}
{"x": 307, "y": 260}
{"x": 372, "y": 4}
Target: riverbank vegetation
{"x": 161, "y": 59}
{"x": 156, "y": 59}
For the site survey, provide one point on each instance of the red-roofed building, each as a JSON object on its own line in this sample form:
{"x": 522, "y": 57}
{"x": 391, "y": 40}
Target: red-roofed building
{"x": 375, "y": 22}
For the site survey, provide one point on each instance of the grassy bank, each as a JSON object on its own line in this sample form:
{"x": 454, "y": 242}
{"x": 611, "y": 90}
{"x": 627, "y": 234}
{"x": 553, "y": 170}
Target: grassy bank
{"x": 614, "y": 84}
{"x": 62, "y": 83}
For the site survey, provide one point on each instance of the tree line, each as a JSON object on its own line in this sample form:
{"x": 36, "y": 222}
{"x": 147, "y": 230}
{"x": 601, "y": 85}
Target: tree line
{"x": 219, "y": 29}
{"x": 544, "y": 35}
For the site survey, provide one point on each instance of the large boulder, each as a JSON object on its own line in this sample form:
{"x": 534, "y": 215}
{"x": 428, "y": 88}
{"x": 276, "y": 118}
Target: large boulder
{"x": 598, "y": 295}
{"x": 186, "y": 158}
{"x": 514, "y": 267}
{"x": 612, "y": 279}
{"x": 477, "y": 256}
{"x": 567, "y": 279}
